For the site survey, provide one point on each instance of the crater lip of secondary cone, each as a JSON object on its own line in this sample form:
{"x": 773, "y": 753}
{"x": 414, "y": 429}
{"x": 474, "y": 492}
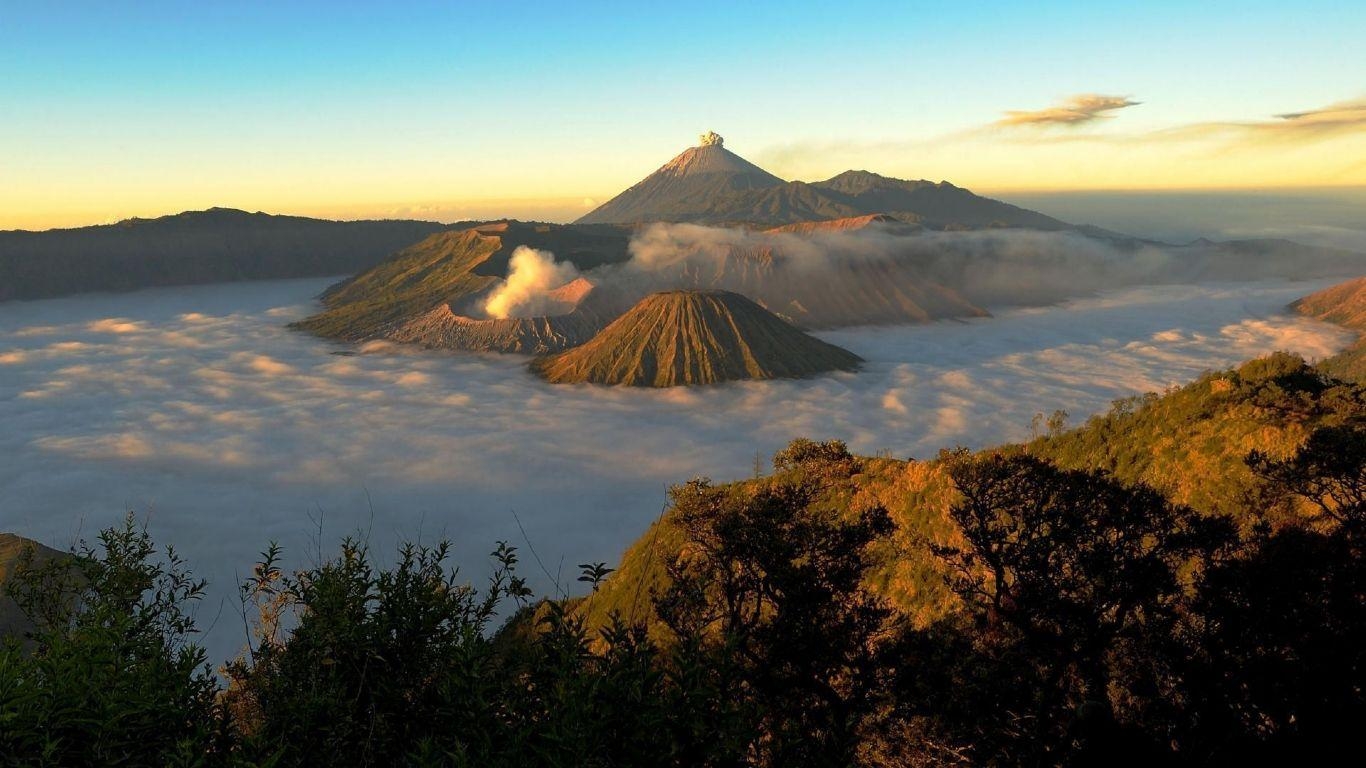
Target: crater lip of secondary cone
{"x": 691, "y": 337}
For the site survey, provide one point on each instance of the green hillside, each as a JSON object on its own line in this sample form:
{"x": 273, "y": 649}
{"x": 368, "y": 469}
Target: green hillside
{"x": 1344, "y": 304}
{"x": 1190, "y": 443}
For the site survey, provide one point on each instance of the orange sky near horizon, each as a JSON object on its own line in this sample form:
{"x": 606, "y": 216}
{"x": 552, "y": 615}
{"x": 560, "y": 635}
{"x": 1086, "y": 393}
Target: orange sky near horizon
{"x": 990, "y": 162}
{"x": 358, "y": 110}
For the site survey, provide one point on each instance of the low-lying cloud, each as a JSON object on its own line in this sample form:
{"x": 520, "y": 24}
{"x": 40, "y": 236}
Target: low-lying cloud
{"x": 990, "y": 268}
{"x": 253, "y": 433}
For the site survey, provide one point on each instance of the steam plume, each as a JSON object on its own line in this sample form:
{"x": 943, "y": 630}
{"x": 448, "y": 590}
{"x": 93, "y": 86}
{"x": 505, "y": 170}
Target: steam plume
{"x": 532, "y": 275}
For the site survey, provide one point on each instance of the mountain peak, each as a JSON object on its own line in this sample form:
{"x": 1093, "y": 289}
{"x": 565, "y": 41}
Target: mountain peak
{"x": 709, "y": 184}
{"x": 716, "y": 159}
{"x": 685, "y": 186}
{"x": 685, "y": 337}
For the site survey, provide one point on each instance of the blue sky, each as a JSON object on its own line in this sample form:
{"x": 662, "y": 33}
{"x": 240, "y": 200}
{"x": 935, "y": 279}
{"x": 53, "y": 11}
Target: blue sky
{"x": 345, "y": 109}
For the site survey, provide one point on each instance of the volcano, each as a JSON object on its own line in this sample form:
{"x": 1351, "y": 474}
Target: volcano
{"x": 709, "y": 184}
{"x": 686, "y": 186}
{"x": 679, "y": 338}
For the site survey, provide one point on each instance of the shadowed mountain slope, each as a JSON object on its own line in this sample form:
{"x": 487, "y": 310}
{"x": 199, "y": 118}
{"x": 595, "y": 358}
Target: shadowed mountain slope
{"x": 694, "y": 337}
{"x": 216, "y": 245}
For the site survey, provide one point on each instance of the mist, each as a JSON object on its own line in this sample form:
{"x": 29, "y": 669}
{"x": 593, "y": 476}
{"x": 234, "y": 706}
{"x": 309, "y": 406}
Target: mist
{"x": 853, "y": 271}
{"x": 1327, "y": 217}
{"x": 199, "y": 410}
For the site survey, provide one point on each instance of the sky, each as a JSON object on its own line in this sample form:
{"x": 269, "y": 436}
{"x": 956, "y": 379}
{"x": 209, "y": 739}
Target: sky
{"x": 459, "y": 110}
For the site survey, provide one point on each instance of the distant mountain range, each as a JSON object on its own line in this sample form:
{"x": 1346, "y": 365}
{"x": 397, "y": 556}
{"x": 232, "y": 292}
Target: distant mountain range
{"x": 856, "y": 249}
{"x": 709, "y": 184}
{"x": 432, "y": 293}
{"x": 426, "y": 283}
{"x": 217, "y": 245}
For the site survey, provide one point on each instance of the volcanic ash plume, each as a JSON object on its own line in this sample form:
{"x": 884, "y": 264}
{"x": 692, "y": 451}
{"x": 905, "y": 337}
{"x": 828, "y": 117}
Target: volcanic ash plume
{"x": 532, "y": 276}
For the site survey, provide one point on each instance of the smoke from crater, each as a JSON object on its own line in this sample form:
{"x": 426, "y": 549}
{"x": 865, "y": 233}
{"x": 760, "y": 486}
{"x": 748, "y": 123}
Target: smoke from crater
{"x": 532, "y": 276}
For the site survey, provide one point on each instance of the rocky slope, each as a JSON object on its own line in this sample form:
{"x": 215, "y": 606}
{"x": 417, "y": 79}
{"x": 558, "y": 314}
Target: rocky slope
{"x": 443, "y": 328}
{"x": 429, "y": 292}
{"x": 685, "y": 187}
{"x": 216, "y": 245}
{"x": 694, "y": 337}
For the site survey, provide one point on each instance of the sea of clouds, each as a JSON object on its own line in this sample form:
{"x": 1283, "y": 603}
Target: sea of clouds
{"x": 197, "y": 408}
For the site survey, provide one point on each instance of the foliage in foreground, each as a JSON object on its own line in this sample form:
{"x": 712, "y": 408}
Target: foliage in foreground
{"x": 1100, "y": 624}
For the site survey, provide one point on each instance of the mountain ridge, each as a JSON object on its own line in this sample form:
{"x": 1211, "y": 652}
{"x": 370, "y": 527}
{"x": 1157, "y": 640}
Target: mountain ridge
{"x": 194, "y": 247}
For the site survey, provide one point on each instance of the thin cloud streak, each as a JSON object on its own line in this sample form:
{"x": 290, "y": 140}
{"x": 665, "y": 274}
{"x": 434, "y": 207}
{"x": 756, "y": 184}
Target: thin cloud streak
{"x": 1067, "y": 124}
{"x": 1338, "y": 119}
{"x": 1073, "y": 111}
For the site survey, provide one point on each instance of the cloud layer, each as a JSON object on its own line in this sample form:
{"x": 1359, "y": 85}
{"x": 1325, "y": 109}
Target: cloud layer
{"x": 197, "y": 407}
{"x": 1338, "y": 119}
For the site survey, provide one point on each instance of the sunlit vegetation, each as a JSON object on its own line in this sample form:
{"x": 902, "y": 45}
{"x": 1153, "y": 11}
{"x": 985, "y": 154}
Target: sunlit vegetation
{"x": 1344, "y": 304}
{"x": 1180, "y": 581}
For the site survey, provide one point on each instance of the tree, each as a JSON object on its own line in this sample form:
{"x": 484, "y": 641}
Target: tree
{"x": 770, "y": 587}
{"x": 112, "y": 676}
{"x": 1075, "y": 575}
{"x": 1277, "y": 636}
{"x": 378, "y": 664}
{"x": 1328, "y": 472}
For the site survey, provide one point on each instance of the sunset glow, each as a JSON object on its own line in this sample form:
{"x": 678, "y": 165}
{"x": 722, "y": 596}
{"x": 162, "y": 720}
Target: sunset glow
{"x": 453, "y": 111}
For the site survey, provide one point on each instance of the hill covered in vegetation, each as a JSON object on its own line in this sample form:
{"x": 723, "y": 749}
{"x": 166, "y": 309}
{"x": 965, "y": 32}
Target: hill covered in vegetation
{"x": 217, "y": 245}
{"x": 1344, "y": 304}
{"x": 17, "y": 552}
{"x": 1190, "y": 443}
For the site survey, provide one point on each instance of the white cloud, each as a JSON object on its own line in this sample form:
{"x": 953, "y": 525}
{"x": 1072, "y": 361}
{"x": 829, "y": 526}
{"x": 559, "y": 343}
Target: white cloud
{"x": 245, "y": 435}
